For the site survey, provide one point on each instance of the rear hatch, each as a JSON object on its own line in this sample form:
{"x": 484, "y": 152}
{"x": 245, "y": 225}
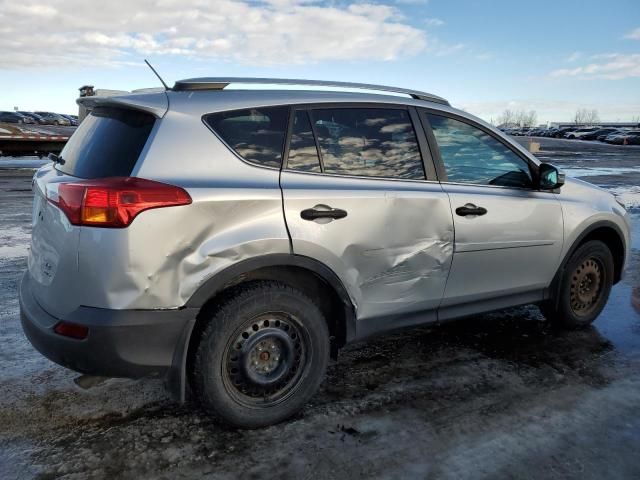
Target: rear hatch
{"x": 107, "y": 144}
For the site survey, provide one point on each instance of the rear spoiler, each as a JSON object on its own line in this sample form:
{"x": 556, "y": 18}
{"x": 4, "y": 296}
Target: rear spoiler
{"x": 155, "y": 103}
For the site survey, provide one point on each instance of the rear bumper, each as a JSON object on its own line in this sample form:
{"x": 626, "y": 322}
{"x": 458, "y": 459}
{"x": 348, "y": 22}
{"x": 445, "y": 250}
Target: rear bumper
{"x": 121, "y": 343}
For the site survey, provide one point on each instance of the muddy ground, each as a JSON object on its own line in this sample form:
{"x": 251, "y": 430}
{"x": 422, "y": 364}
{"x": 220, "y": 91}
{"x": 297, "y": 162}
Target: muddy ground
{"x": 494, "y": 396}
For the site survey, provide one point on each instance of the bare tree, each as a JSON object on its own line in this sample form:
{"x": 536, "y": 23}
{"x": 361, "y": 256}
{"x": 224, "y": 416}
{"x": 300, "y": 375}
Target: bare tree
{"x": 519, "y": 118}
{"x": 584, "y": 116}
{"x": 507, "y": 118}
{"x": 531, "y": 118}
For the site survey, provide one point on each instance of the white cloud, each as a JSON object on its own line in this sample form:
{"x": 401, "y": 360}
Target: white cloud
{"x": 574, "y": 56}
{"x": 634, "y": 34}
{"x": 441, "y": 50}
{"x": 80, "y": 32}
{"x": 612, "y": 66}
{"x": 433, "y": 22}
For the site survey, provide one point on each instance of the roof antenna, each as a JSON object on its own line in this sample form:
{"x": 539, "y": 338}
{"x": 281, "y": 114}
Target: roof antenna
{"x": 159, "y": 77}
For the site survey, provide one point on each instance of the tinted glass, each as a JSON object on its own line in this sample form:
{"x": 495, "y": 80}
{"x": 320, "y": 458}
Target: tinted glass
{"x": 472, "y": 156}
{"x": 303, "y": 154}
{"x": 256, "y": 134}
{"x": 106, "y": 144}
{"x": 372, "y": 142}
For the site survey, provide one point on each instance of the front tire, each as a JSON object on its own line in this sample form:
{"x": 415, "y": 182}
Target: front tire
{"x": 584, "y": 287}
{"x": 262, "y": 355}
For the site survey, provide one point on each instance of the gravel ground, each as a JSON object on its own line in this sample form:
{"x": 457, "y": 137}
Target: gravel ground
{"x": 494, "y": 396}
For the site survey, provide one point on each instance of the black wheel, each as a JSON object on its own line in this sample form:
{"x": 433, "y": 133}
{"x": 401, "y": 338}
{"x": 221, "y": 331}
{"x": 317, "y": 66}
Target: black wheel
{"x": 262, "y": 355}
{"x": 584, "y": 287}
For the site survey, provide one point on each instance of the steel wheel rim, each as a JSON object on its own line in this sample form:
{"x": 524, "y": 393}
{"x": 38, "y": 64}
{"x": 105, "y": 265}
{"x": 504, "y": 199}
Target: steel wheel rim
{"x": 276, "y": 376}
{"x": 586, "y": 286}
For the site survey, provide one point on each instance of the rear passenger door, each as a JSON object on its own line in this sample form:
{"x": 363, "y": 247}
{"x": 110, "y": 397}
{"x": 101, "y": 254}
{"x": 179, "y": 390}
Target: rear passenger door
{"x": 357, "y": 198}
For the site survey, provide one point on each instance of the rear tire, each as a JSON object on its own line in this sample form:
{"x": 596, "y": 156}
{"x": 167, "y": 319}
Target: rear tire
{"x": 262, "y": 355}
{"x": 584, "y": 287}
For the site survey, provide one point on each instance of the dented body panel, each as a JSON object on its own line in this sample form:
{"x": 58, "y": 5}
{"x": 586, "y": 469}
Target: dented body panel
{"x": 392, "y": 251}
{"x": 164, "y": 256}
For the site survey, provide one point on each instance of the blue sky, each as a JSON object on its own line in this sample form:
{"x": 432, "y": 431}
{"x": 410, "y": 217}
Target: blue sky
{"x": 484, "y": 56}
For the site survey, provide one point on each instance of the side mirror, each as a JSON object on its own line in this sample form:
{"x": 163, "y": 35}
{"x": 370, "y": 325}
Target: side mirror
{"x": 549, "y": 177}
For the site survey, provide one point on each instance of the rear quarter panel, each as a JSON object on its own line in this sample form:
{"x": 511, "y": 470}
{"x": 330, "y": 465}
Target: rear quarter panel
{"x": 166, "y": 254}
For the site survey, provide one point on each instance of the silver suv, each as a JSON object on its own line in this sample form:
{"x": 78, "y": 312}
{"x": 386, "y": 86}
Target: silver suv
{"x": 231, "y": 241}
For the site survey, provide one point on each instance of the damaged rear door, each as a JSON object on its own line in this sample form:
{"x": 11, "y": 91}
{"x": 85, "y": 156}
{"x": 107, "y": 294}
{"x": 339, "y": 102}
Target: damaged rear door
{"x": 357, "y": 198}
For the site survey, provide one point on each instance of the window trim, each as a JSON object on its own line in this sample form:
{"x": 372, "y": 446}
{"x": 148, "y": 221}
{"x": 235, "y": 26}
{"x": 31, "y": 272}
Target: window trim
{"x": 428, "y": 163}
{"x": 314, "y": 134}
{"x": 440, "y": 167}
{"x": 285, "y": 145}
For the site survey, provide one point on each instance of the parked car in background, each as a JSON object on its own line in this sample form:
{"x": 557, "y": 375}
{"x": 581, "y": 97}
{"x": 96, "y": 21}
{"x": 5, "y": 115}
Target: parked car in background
{"x": 628, "y": 137}
{"x": 537, "y": 132}
{"x": 292, "y": 224}
{"x": 559, "y": 133}
{"x": 54, "y": 118}
{"x": 15, "y": 117}
{"x": 603, "y": 136}
{"x": 74, "y": 121}
{"x": 578, "y": 132}
{"x": 34, "y": 116}
{"x": 597, "y": 133}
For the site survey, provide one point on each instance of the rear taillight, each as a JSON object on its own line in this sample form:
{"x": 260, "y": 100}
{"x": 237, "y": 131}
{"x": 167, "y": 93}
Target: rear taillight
{"x": 113, "y": 202}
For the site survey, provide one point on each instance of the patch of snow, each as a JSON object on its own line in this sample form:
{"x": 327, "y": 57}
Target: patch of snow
{"x": 14, "y": 242}
{"x": 629, "y": 195}
{"x": 577, "y": 172}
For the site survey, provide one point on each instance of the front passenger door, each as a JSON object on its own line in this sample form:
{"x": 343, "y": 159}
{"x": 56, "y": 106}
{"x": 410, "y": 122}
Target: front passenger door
{"x": 508, "y": 236}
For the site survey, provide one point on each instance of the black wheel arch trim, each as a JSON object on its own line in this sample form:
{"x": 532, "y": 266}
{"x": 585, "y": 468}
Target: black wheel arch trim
{"x": 555, "y": 283}
{"x": 223, "y": 279}
{"x": 177, "y": 379}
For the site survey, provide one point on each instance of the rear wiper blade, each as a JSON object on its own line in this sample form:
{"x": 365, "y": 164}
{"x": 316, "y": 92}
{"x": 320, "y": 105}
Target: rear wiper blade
{"x": 56, "y": 159}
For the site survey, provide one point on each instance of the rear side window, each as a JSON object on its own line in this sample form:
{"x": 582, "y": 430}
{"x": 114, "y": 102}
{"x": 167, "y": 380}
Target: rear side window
{"x": 370, "y": 142}
{"x": 256, "y": 134}
{"x": 107, "y": 143}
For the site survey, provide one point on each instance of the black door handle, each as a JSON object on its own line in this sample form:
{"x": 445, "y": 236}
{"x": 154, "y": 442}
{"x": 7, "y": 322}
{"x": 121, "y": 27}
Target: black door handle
{"x": 323, "y": 211}
{"x": 470, "y": 209}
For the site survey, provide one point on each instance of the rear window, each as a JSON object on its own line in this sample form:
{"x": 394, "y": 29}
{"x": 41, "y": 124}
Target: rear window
{"x": 107, "y": 143}
{"x": 256, "y": 134}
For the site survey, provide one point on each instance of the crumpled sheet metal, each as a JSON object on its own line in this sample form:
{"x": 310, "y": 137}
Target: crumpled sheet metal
{"x": 148, "y": 269}
{"x": 392, "y": 251}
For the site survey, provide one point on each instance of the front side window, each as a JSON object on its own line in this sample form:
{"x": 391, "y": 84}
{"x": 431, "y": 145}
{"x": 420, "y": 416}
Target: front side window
{"x": 471, "y": 155}
{"x": 256, "y": 134}
{"x": 370, "y": 142}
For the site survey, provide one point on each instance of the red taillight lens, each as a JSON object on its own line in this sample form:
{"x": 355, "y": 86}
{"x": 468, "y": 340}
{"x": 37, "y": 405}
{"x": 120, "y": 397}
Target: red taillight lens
{"x": 115, "y": 202}
{"x": 71, "y": 330}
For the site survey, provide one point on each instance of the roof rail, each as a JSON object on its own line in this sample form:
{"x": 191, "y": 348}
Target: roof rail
{"x": 219, "y": 83}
